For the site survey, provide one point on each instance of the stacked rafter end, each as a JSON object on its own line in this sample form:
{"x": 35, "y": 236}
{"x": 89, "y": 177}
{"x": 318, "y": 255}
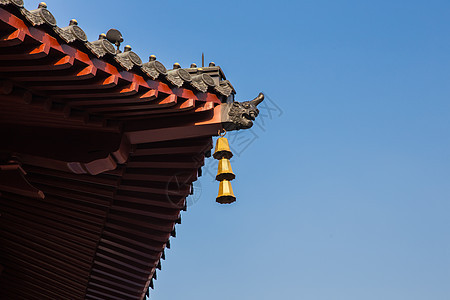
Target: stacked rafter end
{"x": 209, "y": 79}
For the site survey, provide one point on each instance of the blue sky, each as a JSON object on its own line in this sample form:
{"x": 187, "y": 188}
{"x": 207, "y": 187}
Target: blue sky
{"x": 346, "y": 194}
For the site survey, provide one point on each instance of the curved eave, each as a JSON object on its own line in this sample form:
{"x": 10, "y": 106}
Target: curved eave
{"x": 19, "y": 31}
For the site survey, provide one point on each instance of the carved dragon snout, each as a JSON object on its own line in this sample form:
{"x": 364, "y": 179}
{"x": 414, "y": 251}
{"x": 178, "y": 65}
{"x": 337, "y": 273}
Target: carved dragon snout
{"x": 240, "y": 115}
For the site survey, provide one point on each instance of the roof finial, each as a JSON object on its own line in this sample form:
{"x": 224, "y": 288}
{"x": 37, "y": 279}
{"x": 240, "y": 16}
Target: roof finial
{"x": 73, "y": 22}
{"x": 127, "y": 48}
{"x": 212, "y": 64}
{"x": 152, "y": 58}
{"x": 176, "y": 65}
{"x": 42, "y": 5}
{"x": 115, "y": 37}
{"x": 193, "y": 65}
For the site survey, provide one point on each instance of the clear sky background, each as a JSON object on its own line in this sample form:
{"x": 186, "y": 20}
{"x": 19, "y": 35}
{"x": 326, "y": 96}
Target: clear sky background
{"x": 343, "y": 193}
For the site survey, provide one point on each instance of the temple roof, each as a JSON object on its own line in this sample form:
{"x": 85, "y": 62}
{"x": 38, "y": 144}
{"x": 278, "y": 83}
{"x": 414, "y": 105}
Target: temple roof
{"x": 97, "y": 156}
{"x": 103, "y": 49}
